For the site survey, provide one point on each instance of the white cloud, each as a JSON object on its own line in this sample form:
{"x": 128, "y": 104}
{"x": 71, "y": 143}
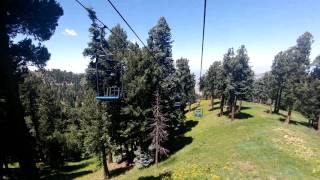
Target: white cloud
{"x": 69, "y": 32}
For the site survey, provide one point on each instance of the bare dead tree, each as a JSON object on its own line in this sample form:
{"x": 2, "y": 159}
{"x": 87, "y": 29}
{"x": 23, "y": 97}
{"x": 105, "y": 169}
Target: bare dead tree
{"x": 159, "y": 133}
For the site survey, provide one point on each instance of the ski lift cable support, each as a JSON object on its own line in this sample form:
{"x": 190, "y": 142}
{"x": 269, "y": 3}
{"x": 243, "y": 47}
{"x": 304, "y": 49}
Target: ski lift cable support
{"x": 109, "y": 93}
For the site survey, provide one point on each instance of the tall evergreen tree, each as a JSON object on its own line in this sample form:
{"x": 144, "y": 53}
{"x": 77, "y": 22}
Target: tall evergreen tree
{"x": 238, "y": 79}
{"x": 50, "y": 127}
{"x": 186, "y": 83}
{"x": 227, "y": 76}
{"x": 245, "y": 76}
{"x": 278, "y": 72}
{"x": 309, "y": 106}
{"x": 37, "y": 19}
{"x": 211, "y": 80}
{"x": 30, "y": 96}
{"x": 298, "y": 62}
{"x": 96, "y": 125}
{"x": 118, "y": 46}
{"x": 264, "y": 91}
{"x": 161, "y": 72}
{"x": 100, "y": 74}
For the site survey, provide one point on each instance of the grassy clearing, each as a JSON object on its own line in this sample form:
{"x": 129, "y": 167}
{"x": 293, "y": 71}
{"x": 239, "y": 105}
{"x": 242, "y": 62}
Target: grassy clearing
{"x": 256, "y": 146}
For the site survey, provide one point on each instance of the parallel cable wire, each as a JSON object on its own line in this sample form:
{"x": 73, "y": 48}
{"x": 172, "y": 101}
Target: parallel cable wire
{"x": 115, "y": 8}
{"x": 203, "y": 31}
{"x": 104, "y": 25}
{"x": 133, "y": 31}
{"x": 150, "y": 52}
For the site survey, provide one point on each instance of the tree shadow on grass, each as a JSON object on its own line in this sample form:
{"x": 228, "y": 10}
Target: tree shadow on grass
{"x": 238, "y": 116}
{"x": 244, "y": 107}
{"x": 163, "y": 175}
{"x": 118, "y": 171}
{"x": 192, "y": 109}
{"x": 65, "y": 172}
{"x": 242, "y": 115}
{"x": 74, "y": 167}
{"x": 280, "y": 114}
{"x": 61, "y": 176}
{"x": 188, "y": 125}
{"x": 177, "y": 144}
{"x": 149, "y": 178}
{"x": 212, "y": 109}
{"x": 294, "y": 122}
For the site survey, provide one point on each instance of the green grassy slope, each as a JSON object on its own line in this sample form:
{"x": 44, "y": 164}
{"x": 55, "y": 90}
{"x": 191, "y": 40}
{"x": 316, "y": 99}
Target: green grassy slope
{"x": 255, "y": 146}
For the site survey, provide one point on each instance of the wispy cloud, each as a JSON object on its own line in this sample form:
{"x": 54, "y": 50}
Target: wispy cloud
{"x": 69, "y": 32}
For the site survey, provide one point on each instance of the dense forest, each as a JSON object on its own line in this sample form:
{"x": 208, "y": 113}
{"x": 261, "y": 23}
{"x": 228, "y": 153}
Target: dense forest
{"x": 292, "y": 83}
{"x": 53, "y": 116}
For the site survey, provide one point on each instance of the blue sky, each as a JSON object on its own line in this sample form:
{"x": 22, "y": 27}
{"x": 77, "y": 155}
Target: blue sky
{"x": 264, "y": 26}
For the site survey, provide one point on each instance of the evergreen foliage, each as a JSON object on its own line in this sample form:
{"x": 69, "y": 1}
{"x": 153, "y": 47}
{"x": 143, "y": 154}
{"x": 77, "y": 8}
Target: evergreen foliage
{"x": 36, "y": 20}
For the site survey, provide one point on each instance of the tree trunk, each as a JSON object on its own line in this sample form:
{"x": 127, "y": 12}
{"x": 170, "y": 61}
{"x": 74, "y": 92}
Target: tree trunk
{"x": 287, "y": 121}
{"x": 234, "y": 103}
{"x": 212, "y": 102}
{"x": 106, "y": 173}
{"x": 157, "y": 155}
{"x": 35, "y": 123}
{"x": 240, "y": 106}
{"x": 278, "y": 100}
{"x": 221, "y": 105}
{"x": 232, "y": 113}
{"x": 318, "y": 124}
{"x": 270, "y": 106}
{"x": 157, "y": 146}
{"x": 110, "y": 158}
{"x": 1, "y": 169}
{"x": 20, "y": 141}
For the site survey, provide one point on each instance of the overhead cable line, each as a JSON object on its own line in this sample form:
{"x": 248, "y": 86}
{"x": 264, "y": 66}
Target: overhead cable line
{"x": 203, "y": 32}
{"x": 133, "y": 31}
{"x": 115, "y": 8}
{"x": 104, "y": 25}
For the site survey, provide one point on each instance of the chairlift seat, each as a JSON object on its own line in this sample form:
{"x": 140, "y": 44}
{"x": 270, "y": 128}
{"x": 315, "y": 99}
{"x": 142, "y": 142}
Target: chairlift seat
{"x": 198, "y": 112}
{"x": 107, "y": 98}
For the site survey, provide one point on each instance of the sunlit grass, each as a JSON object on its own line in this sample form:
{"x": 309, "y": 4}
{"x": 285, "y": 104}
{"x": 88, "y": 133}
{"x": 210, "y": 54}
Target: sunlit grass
{"x": 257, "y": 146}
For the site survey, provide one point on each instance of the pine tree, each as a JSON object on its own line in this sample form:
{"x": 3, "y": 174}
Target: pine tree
{"x": 160, "y": 74}
{"x": 99, "y": 75}
{"x": 244, "y": 76}
{"x": 30, "y": 97}
{"x": 238, "y": 79}
{"x": 310, "y": 104}
{"x": 211, "y": 80}
{"x": 227, "y": 76}
{"x": 264, "y": 91}
{"x": 186, "y": 81}
{"x": 278, "y": 72}
{"x": 96, "y": 124}
{"x": 137, "y": 110}
{"x": 50, "y": 127}
{"x": 298, "y": 62}
{"x": 36, "y": 20}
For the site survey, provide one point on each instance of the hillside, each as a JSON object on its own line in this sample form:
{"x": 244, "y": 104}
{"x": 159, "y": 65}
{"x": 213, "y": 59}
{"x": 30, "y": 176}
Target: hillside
{"x": 256, "y": 145}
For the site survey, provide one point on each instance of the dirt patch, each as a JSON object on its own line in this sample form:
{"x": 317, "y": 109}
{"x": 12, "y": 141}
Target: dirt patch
{"x": 113, "y": 166}
{"x": 246, "y": 165}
